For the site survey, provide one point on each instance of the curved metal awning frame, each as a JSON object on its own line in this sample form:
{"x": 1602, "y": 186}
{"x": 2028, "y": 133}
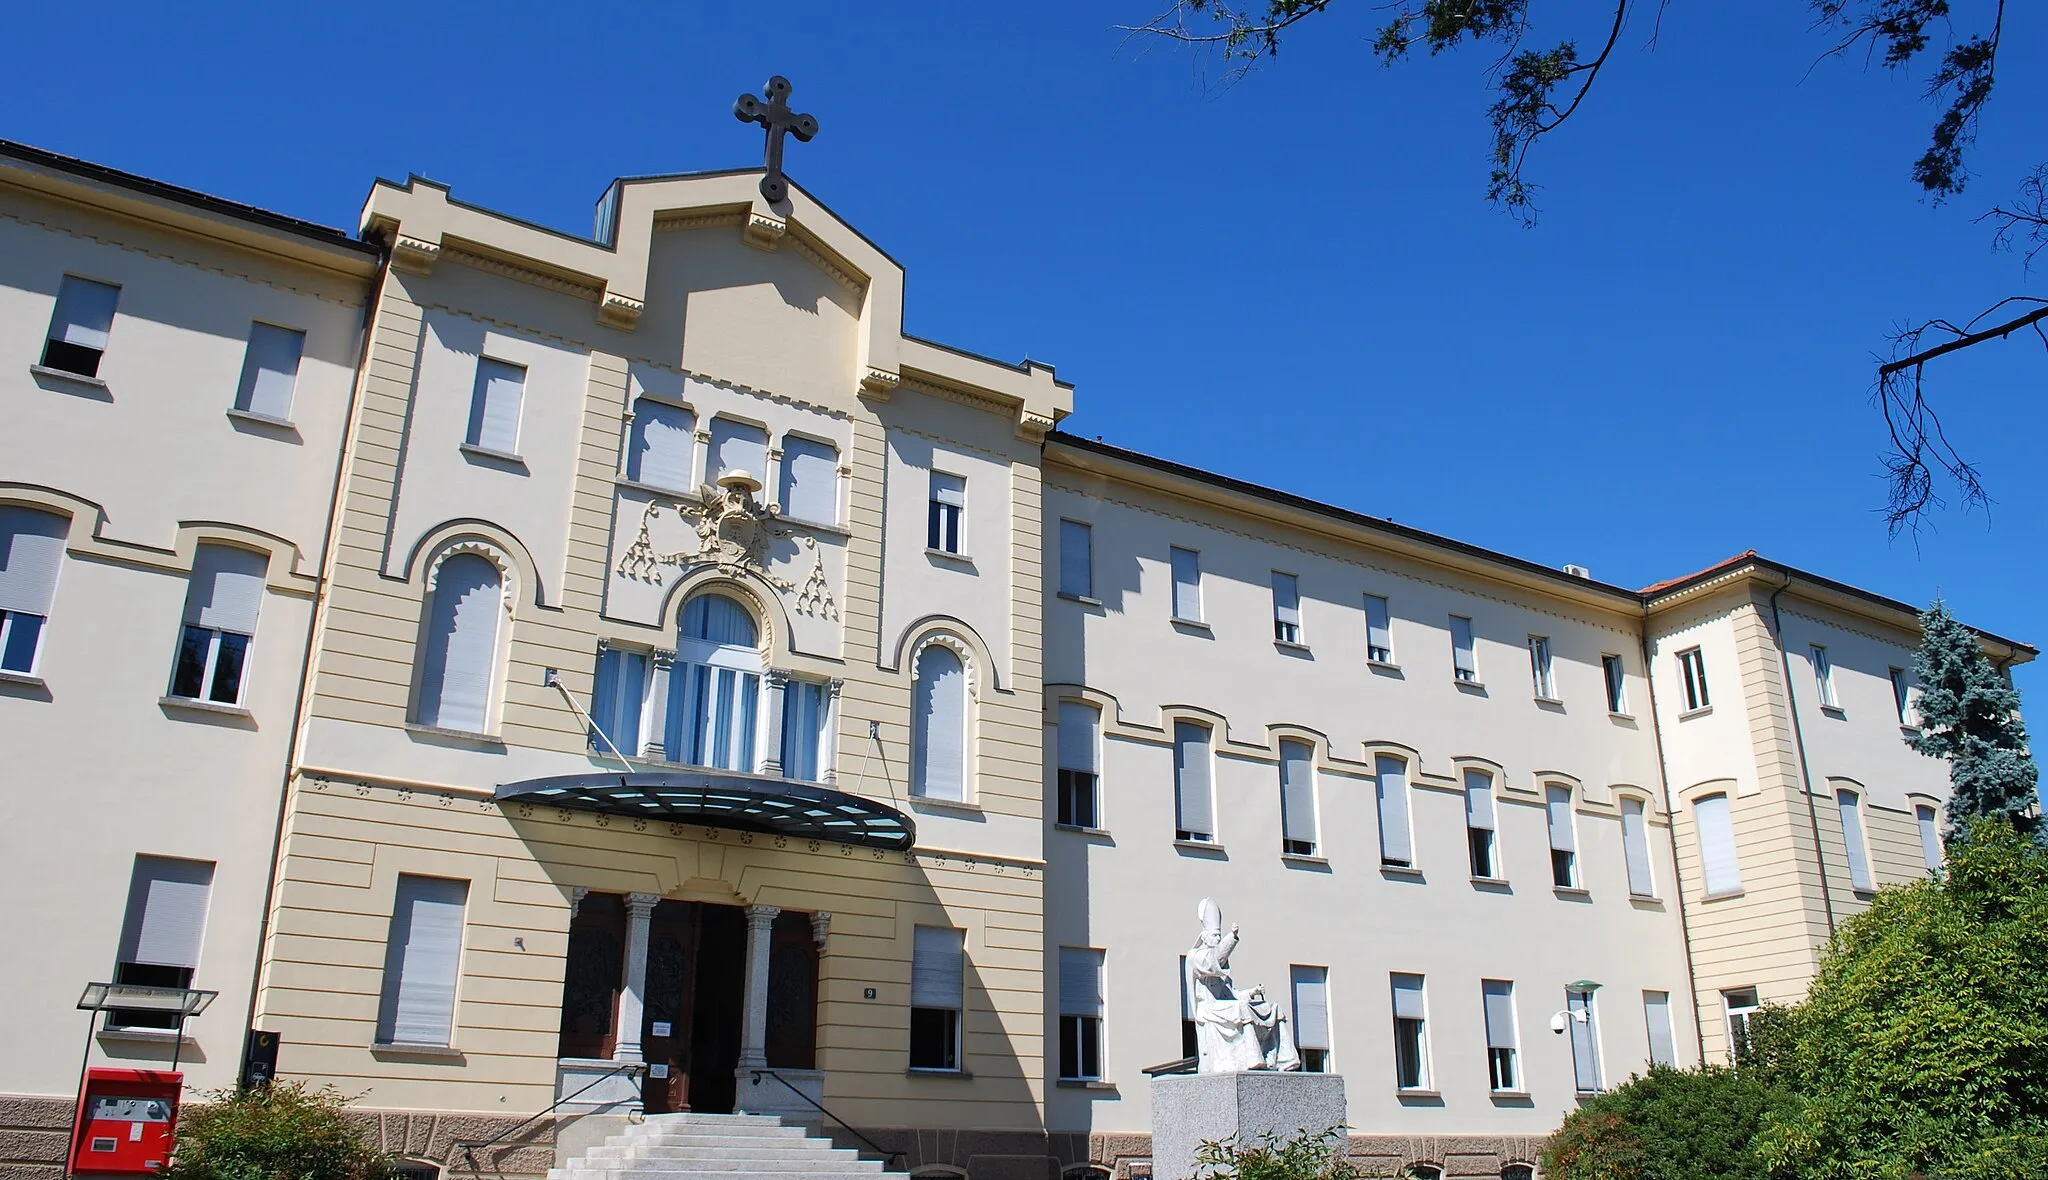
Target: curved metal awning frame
{"x": 722, "y": 799}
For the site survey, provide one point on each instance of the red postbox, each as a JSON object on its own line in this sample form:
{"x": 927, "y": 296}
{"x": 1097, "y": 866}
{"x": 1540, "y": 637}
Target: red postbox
{"x": 125, "y": 1121}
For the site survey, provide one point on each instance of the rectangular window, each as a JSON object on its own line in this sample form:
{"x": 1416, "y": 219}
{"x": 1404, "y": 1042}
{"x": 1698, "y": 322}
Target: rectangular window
{"x": 1539, "y": 668}
{"x": 79, "y": 326}
{"x": 31, "y": 554}
{"x": 1901, "y": 689}
{"x": 1657, "y": 1015}
{"x": 1193, "y": 803}
{"x": 1824, "y": 677}
{"x": 1187, "y": 584}
{"x": 1077, "y": 559}
{"x": 1740, "y": 1004}
{"x": 937, "y": 987}
{"x": 1617, "y": 685}
{"x": 270, "y": 371}
{"x": 1379, "y": 634}
{"x": 948, "y": 502}
{"x": 1078, "y": 775}
{"x": 1080, "y": 1014}
{"x": 161, "y": 933}
{"x": 1297, "y": 798}
{"x": 737, "y": 446}
{"x": 663, "y": 448}
{"x": 422, "y": 962}
{"x": 806, "y": 712}
{"x": 1286, "y": 608}
{"x": 1585, "y": 1034}
{"x": 1464, "y": 661}
{"x": 615, "y": 700}
{"x": 1635, "y": 848}
{"x": 221, "y": 602}
{"x": 1851, "y": 806}
{"x": 1311, "y": 994}
{"x": 1717, "y": 845}
{"x": 1411, "y": 1038}
{"x": 1692, "y": 669}
{"x": 1479, "y": 836}
{"x": 1503, "y": 1070}
{"x": 1930, "y": 836}
{"x": 1564, "y": 856}
{"x": 810, "y": 480}
{"x": 494, "y": 406}
{"x": 1391, "y": 785}
{"x": 1188, "y": 1046}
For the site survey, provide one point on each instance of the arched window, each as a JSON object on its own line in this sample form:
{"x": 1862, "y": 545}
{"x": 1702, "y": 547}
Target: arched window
{"x": 1517, "y": 1172}
{"x": 715, "y": 691}
{"x": 938, "y": 722}
{"x": 459, "y": 660}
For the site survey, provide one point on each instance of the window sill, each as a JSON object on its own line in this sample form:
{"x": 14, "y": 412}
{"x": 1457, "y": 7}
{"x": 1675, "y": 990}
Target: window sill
{"x": 927, "y": 803}
{"x": 1078, "y": 830}
{"x": 67, "y": 376}
{"x": 1292, "y": 648}
{"x": 1510, "y": 1095}
{"x": 493, "y": 455}
{"x": 461, "y": 735}
{"x": 1387, "y": 666}
{"x": 1909, "y": 730}
{"x": 145, "y": 1036}
{"x": 816, "y": 526}
{"x": 926, "y": 1071}
{"x": 1192, "y": 625}
{"x": 1646, "y": 899}
{"x": 950, "y": 557}
{"x": 1210, "y": 847}
{"x": 1084, "y": 1084}
{"x": 1083, "y": 599}
{"x": 1425, "y": 1096}
{"x": 266, "y": 420}
{"x": 1835, "y": 711}
{"x": 1492, "y": 884}
{"x": 1628, "y": 717}
{"x": 653, "y": 489}
{"x": 22, "y": 680}
{"x": 1573, "y": 892}
{"x": 1732, "y": 893}
{"x": 1550, "y": 702}
{"x": 405, "y": 1049}
{"x": 1476, "y": 687}
{"x": 199, "y": 706}
{"x": 1400, "y": 872}
{"x": 1702, "y": 711}
{"x": 1305, "y": 860}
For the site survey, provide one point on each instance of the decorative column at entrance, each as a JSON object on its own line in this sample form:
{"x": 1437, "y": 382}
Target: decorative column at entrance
{"x": 754, "y": 1020}
{"x": 633, "y": 995}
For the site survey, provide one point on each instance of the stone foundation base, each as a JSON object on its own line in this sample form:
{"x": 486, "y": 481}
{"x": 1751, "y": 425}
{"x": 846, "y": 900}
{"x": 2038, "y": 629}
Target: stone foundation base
{"x": 1191, "y": 1109}
{"x": 1462, "y": 1157}
{"x": 34, "y": 1135}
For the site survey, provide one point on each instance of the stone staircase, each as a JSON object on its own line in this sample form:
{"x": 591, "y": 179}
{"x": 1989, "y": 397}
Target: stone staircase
{"x": 716, "y": 1147}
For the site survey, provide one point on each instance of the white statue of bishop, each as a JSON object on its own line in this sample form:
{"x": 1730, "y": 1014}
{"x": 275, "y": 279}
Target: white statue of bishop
{"x": 1232, "y": 1032}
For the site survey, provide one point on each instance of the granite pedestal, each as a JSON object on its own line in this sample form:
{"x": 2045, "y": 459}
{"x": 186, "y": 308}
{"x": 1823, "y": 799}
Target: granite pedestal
{"x": 1188, "y": 1109}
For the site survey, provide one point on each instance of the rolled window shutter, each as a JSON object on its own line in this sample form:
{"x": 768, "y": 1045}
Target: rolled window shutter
{"x": 1297, "y": 791}
{"x": 1080, "y": 981}
{"x": 270, "y": 369}
{"x": 1187, "y": 584}
{"x": 1635, "y": 846}
{"x": 1286, "y": 599}
{"x": 1077, "y": 577}
{"x": 1717, "y": 844}
{"x": 938, "y": 968}
{"x": 1657, "y": 1014}
{"x": 940, "y": 738}
{"x": 494, "y": 406}
{"x": 810, "y": 480}
{"x": 1499, "y": 995}
{"x": 226, "y": 588}
{"x": 1930, "y": 836}
{"x": 1558, "y": 802}
{"x": 85, "y": 312}
{"x": 949, "y": 489}
{"x": 1078, "y": 722}
{"x": 1378, "y": 632}
{"x": 664, "y": 444}
{"x": 1194, "y": 803}
{"x": 1407, "y": 997}
{"x": 166, "y": 920}
{"x": 1311, "y": 986}
{"x": 1392, "y": 776}
{"x": 1852, "y": 838}
{"x": 1462, "y": 656}
{"x": 461, "y": 655}
{"x": 738, "y": 446}
{"x": 422, "y": 961}
{"x": 31, "y": 553}
{"x": 1478, "y": 799}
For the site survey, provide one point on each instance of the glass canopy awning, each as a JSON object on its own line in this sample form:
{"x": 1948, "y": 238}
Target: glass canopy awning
{"x": 722, "y": 799}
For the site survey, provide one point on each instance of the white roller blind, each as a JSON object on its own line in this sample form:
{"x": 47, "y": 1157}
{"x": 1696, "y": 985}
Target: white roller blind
{"x": 1077, "y": 559}
{"x": 1851, "y": 807}
{"x": 1585, "y": 1042}
{"x": 1378, "y": 633}
{"x": 494, "y": 405}
{"x": 31, "y": 552}
{"x": 1657, "y": 1014}
{"x": 1462, "y": 657}
{"x": 949, "y": 489}
{"x": 1499, "y": 996}
{"x": 1557, "y": 801}
{"x": 1080, "y": 981}
{"x": 1930, "y": 836}
{"x": 1311, "y": 1006}
{"x": 461, "y": 654}
{"x": 1478, "y": 799}
{"x": 1407, "y": 997}
{"x": 937, "y": 968}
{"x": 85, "y": 312}
{"x": 738, "y": 446}
{"x": 226, "y": 589}
{"x": 810, "y": 480}
{"x": 939, "y": 740}
{"x": 1077, "y": 735}
{"x": 1187, "y": 584}
{"x": 1717, "y": 844}
{"x": 1193, "y": 803}
{"x": 166, "y": 911}
{"x": 1297, "y": 791}
{"x": 1286, "y": 599}
{"x": 421, "y": 962}
{"x": 270, "y": 370}
{"x": 1635, "y": 847}
{"x": 1392, "y": 776}
{"x": 664, "y": 444}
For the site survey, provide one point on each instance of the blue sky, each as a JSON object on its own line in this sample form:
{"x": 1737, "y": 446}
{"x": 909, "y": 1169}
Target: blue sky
{"x": 1293, "y": 280}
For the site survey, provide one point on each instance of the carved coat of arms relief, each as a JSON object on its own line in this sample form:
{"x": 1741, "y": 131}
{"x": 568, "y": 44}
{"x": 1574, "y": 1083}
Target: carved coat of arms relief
{"x": 734, "y": 530}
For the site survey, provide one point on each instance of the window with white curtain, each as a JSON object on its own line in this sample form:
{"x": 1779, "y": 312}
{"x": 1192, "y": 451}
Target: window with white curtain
{"x": 1297, "y": 798}
{"x": 663, "y": 446}
{"x": 1411, "y": 1037}
{"x": 1824, "y": 677}
{"x": 1311, "y": 994}
{"x": 1186, "y": 565}
{"x": 947, "y": 506}
{"x": 459, "y": 653}
{"x": 938, "y": 969}
{"x": 270, "y": 371}
{"x": 1617, "y": 685}
{"x": 1080, "y": 983}
{"x": 1497, "y": 997}
{"x": 738, "y": 446}
{"x": 1692, "y": 673}
{"x": 1464, "y": 659}
{"x": 938, "y": 724}
{"x": 162, "y": 932}
{"x": 1077, "y": 559}
{"x": 1930, "y": 835}
{"x": 1379, "y": 631}
{"x": 494, "y": 406}
{"x": 222, "y": 598}
{"x": 806, "y": 716}
{"x": 1079, "y": 739}
{"x": 79, "y": 325}
{"x": 714, "y": 690}
{"x": 1657, "y": 1016}
{"x": 1635, "y": 847}
{"x": 1585, "y": 1035}
{"x": 1286, "y": 608}
{"x": 810, "y": 480}
{"x": 1194, "y": 805}
{"x": 1717, "y": 845}
{"x": 1564, "y": 844}
{"x": 1850, "y": 804}
{"x": 1479, "y": 833}
{"x": 1539, "y": 668}
{"x": 31, "y": 554}
{"x": 1390, "y": 776}
{"x": 422, "y": 962}
{"x": 615, "y": 702}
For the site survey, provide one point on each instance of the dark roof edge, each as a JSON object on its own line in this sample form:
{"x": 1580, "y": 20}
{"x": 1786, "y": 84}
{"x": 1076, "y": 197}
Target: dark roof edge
{"x": 326, "y": 235}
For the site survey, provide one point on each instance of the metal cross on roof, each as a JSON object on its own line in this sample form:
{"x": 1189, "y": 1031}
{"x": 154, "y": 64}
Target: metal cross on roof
{"x": 773, "y": 113}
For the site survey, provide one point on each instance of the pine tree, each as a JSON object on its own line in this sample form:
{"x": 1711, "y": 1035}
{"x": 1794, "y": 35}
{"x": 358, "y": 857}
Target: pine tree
{"x": 1970, "y": 715}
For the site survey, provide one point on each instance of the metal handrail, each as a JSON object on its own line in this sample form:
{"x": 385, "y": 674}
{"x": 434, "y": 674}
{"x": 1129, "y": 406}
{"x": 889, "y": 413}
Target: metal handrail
{"x": 851, "y": 1129}
{"x": 469, "y": 1146}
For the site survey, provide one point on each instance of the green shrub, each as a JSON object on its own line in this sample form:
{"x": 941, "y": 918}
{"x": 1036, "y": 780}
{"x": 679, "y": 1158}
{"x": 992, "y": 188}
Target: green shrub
{"x": 285, "y": 1132}
{"x": 1667, "y": 1124}
{"x": 1303, "y": 1157}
